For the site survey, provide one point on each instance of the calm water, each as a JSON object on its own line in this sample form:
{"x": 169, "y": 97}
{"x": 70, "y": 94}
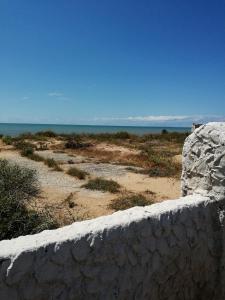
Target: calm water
{"x": 16, "y": 129}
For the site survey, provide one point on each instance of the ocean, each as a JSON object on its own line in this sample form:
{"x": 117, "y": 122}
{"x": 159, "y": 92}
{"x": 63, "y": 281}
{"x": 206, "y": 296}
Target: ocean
{"x": 14, "y": 129}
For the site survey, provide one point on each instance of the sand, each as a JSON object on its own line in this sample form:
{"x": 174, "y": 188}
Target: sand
{"x": 58, "y": 187}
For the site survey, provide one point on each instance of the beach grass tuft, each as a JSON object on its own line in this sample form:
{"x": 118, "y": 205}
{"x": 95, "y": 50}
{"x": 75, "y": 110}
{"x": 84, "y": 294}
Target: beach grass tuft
{"x": 101, "y": 184}
{"x": 127, "y": 201}
{"x": 75, "y": 172}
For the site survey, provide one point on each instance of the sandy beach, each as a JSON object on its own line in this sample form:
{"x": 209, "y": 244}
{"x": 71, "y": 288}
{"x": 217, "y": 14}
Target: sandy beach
{"x": 58, "y": 187}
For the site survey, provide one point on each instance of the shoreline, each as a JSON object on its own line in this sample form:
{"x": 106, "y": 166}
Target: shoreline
{"x": 15, "y": 129}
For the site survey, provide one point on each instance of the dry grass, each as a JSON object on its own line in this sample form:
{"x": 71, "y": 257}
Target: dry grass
{"x": 75, "y": 172}
{"x": 127, "y": 201}
{"x": 103, "y": 185}
{"x": 69, "y": 201}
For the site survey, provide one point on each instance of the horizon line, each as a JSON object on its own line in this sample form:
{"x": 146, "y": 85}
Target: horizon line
{"x": 105, "y": 125}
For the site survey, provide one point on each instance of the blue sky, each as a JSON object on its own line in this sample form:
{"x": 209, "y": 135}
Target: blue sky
{"x": 143, "y": 62}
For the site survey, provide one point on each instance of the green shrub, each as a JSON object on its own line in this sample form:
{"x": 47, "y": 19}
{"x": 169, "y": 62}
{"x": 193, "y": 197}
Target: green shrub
{"x": 36, "y": 157}
{"x": 18, "y": 186}
{"x": 7, "y": 139}
{"x": 128, "y": 201}
{"x": 164, "y": 131}
{"x": 47, "y": 133}
{"x": 76, "y": 144}
{"x": 51, "y": 163}
{"x": 21, "y": 144}
{"x": 16, "y": 219}
{"x": 122, "y": 135}
{"x": 27, "y": 151}
{"x": 77, "y": 173}
{"x": 102, "y": 185}
{"x": 18, "y": 182}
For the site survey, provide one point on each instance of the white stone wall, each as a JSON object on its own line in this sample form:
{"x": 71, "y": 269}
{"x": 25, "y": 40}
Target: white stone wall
{"x": 204, "y": 161}
{"x": 168, "y": 251}
{"x": 171, "y": 250}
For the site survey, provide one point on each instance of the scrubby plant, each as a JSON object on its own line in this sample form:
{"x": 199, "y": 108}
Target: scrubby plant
{"x": 36, "y": 157}
{"x": 122, "y": 135}
{"x": 80, "y": 174}
{"x": 47, "y": 133}
{"x": 69, "y": 201}
{"x": 18, "y": 186}
{"x": 51, "y": 163}
{"x": 128, "y": 201}
{"x": 76, "y": 144}
{"x": 18, "y": 182}
{"x": 102, "y": 185}
{"x": 162, "y": 163}
{"x": 16, "y": 219}
{"x": 7, "y": 139}
{"x": 27, "y": 151}
{"x": 164, "y": 131}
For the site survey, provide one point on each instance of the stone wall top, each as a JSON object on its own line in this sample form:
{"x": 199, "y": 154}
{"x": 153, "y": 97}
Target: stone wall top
{"x": 97, "y": 227}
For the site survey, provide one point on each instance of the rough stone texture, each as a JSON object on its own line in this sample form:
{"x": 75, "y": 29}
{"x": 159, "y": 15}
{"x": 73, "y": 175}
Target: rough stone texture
{"x": 204, "y": 161}
{"x": 173, "y": 250}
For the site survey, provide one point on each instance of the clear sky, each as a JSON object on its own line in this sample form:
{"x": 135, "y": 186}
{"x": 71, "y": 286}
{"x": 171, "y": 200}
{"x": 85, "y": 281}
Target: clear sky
{"x": 142, "y": 62}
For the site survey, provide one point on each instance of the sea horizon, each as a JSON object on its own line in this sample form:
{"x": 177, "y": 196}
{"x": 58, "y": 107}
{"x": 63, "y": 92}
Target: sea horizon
{"x": 15, "y": 129}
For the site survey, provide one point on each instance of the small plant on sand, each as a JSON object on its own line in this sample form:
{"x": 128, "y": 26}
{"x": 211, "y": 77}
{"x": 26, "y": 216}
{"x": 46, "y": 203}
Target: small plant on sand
{"x": 18, "y": 186}
{"x": 128, "y": 201}
{"x": 76, "y": 144}
{"x": 47, "y": 133}
{"x": 7, "y": 139}
{"x": 69, "y": 201}
{"x": 104, "y": 185}
{"x": 27, "y": 150}
{"x": 149, "y": 192}
{"x": 51, "y": 163}
{"x": 122, "y": 135}
{"x": 80, "y": 174}
{"x": 164, "y": 131}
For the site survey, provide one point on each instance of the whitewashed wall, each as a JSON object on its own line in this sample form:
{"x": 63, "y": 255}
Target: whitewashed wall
{"x": 168, "y": 251}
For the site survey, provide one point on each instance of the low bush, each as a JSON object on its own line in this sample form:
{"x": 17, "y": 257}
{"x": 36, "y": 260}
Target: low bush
{"x": 122, "y": 135}
{"x": 164, "y": 131}
{"x": 36, "y": 157}
{"x": 18, "y": 186}
{"x": 128, "y": 201}
{"x": 102, "y": 185}
{"x": 20, "y": 183}
{"x": 51, "y": 163}
{"x": 22, "y": 145}
{"x": 47, "y": 133}
{"x": 27, "y": 151}
{"x": 80, "y": 174}
{"x": 16, "y": 219}
{"x": 161, "y": 163}
{"x": 166, "y": 171}
{"x": 76, "y": 144}
{"x": 69, "y": 201}
{"x": 7, "y": 139}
